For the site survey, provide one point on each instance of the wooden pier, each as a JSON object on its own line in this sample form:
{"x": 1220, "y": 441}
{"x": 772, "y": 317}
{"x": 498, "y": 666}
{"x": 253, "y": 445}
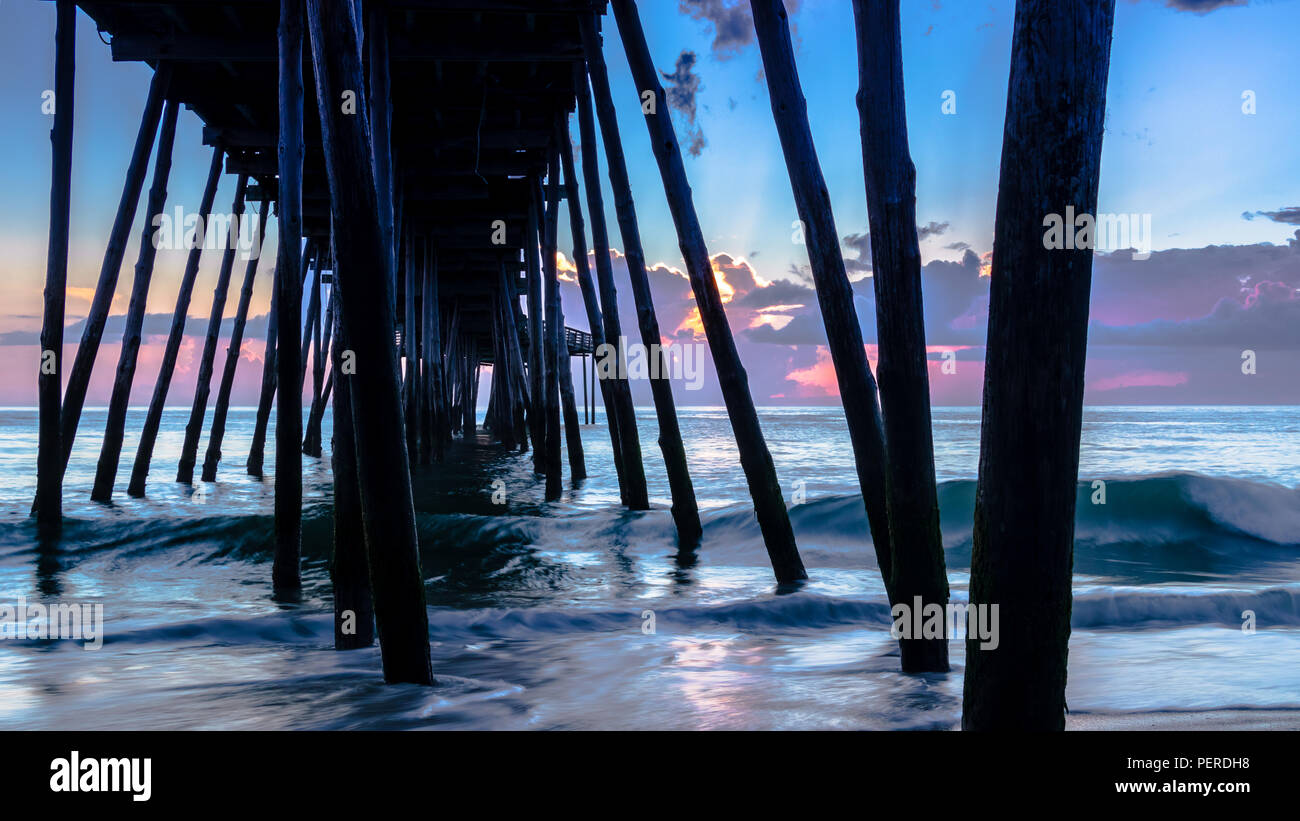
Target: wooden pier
{"x": 412, "y": 157}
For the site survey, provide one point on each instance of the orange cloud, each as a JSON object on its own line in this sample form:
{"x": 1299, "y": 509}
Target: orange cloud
{"x": 566, "y": 270}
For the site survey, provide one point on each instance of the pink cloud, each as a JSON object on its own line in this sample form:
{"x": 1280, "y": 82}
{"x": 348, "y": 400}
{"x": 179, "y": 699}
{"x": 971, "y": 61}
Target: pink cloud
{"x": 1141, "y": 379}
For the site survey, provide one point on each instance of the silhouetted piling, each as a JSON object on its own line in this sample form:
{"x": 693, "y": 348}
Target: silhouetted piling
{"x": 203, "y": 385}
{"x": 74, "y": 395}
{"x": 755, "y": 459}
{"x": 589, "y": 300}
{"x": 175, "y": 335}
{"x": 257, "y": 450}
{"x": 212, "y": 458}
{"x": 388, "y": 512}
{"x": 111, "y": 449}
{"x": 911, "y": 497}
{"x": 536, "y": 372}
{"x": 554, "y": 328}
{"x": 685, "y": 510}
{"x": 49, "y": 455}
{"x": 285, "y": 572}
{"x": 354, "y": 611}
{"x": 1022, "y": 555}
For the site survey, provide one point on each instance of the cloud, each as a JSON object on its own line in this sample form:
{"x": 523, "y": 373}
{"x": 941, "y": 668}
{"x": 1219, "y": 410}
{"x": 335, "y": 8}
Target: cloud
{"x": 1265, "y": 318}
{"x": 1140, "y": 379}
{"x": 158, "y": 325}
{"x": 861, "y": 243}
{"x": 732, "y": 22}
{"x": 958, "y": 246}
{"x": 684, "y": 85}
{"x": 1290, "y": 216}
{"x": 930, "y": 229}
{"x": 1202, "y": 6}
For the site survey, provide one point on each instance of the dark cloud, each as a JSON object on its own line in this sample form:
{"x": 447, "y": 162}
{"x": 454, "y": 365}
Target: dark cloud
{"x": 684, "y": 85}
{"x": 956, "y": 308}
{"x": 154, "y": 325}
{"x": 958, "y": 246}
{"x": 1266, "y": 318}
{"x": 778, "y": 292}
{"x": 1202, "y": 6}
{"x": 861, "y": 243}
{"x": 733, "y": 24}
{"x": 930, "y": 229}
{"x": 1170, "y": 328}
{"x": 1290, "y": 216}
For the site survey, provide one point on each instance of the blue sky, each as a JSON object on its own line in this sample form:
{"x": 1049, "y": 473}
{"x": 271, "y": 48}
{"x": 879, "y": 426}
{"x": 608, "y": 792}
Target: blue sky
{"x": 1178, "y": 147}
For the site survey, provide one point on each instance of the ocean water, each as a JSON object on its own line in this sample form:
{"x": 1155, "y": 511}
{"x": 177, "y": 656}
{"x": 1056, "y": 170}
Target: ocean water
{"x": 536, "y": 610}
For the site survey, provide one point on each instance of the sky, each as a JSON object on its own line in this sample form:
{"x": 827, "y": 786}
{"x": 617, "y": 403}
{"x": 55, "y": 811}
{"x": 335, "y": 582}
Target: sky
{"x": 1203, "y": 112}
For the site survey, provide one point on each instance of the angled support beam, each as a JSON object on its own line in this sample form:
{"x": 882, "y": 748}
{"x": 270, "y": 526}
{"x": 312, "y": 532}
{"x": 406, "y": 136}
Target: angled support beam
{"x": 685, "y": 509}
{"x": 568, "y": 405}
{"x": 194, "y": 427}
{"x": 257, "y": 450}
{"x": 74, "y": 396}
{"x": 175, "y": 335}
{"x": 590, "y": 302}
{"x": 212, "y": 458}
{"x": 111, "y": 450}
{"x": 755, "y": 458}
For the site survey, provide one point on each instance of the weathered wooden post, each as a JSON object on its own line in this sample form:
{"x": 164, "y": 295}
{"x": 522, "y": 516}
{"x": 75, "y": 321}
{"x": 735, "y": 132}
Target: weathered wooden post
{"x": 572, "y": 433}
{"x": 49, "y": 455}
{"x": 1021, "y": 560}
{"x": 589, "y": 300}
{"x": 685, "y": 510}
{"x": 218, "y": 433}
{"x": 554, "y": 328}
{"x": 435, "y": 385}
{"x": 257, "y": 450}
{"x": 424, "y": 404}
{"x": 410, "y": 337}
{"x": 309, "y": 321}
{"x": 912, "y": 562}
{"x": 536, "y": 372}
{"x": 502, "y": 400}
{"x": 321, "y": 385}
{"x": 203, "y": 386}
{"x": 354, "y": 610}
{"x": 755, "y": 459}
{"x": 911, "y": 497}
{"x": 620, "y": 413}
{"x": 111, "y": 449}
{"x": 285, "y": 572}
{"x": 74, "y": 395}
{"x": 454, "y": 373}
{"x": 384, "y": 479}
{"x": 311, "y": 439}
{"x": 518, "y": 380}
{"x": 381, "y": 120}
{"x": 175, "y": 335}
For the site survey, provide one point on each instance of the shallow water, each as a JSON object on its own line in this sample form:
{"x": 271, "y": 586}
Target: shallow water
{"x": 537, "y": 610}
